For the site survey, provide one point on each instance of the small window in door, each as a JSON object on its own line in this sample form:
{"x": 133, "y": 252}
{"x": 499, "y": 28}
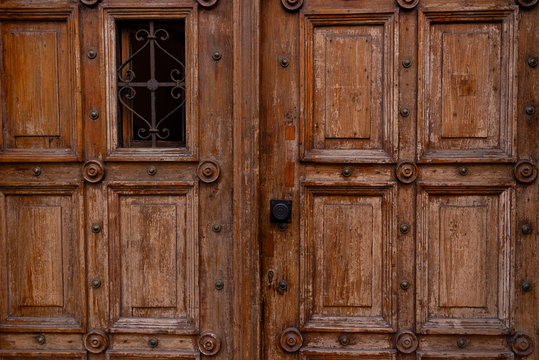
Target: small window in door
{"x": 151, "y": 86}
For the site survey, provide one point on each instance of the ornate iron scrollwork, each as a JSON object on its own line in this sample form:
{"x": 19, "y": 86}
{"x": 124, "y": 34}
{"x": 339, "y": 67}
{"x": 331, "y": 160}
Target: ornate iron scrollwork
{"x": 127, "y": 83}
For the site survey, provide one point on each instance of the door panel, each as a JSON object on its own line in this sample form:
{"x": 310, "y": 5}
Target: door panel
{"x": 397, "y": 125}
{"x": 467, "y": 84}
{"x": 41, "y": 86}
{"x": 121, "y": 234}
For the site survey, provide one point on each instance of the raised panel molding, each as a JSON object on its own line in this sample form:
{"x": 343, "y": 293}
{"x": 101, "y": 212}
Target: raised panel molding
{"x": 469, "y": 355}
{"x": 467, "y": 87}
{"x": 348, "y": 83}
{"x": 154, "y": 355}
{"x": 346, "y": 354}
{"x": 42, "y": 355}
{"x": 464, "y": 259}
{"x": 153, "y": 235}
{"x": 42, "y": 258}
{"x": 346, "y": 274}
{"x": 40, "y": 84}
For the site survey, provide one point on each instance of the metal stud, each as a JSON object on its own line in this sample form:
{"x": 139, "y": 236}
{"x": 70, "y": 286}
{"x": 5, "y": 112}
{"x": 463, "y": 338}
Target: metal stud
{"x": 216, "y": 55}
{"x": 406, "y": 63}
{"x": 151, "y": 170}
{"x": 96, "y": 283}
{"x": 283, "y": 226}
{"x": 285, "y": 62}
{"x": 526, "y": 229}
{"x": 219, "y": 285}
{"x": 405, "y": 284}
{"x": 283, "y": 285}
{"x": 461, "y": 343}
{"x": 92, "y": 54}
{"x": 405, "y": 112}
{"x": 463, "y": 171}
{"x": 36, "y": 171}
{"x": 530, "y": 109}
{"x": 40, "y": 339}
{"x": 94, "y": 115}
{"x": 346, "y": 172}
{"x": 344, "y": 340}
{"x": 216, "y": 228}
{"x": 526, "y": 286}
{"x": 153, "y": 342}
{"x": 404, "y": 228}
{"x": 96, "y": 228}
{"x": 532, "y": 61}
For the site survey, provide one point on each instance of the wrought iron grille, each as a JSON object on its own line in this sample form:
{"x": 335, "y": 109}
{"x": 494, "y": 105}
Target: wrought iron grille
{"x": 151, "y": 84}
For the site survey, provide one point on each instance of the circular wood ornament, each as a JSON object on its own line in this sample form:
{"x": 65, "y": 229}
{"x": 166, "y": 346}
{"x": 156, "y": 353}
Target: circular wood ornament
{"x": 525, "y": 171}
{"x": 208, "y": 343}
{"x": 96, "y": 341}
{"x": 406, "y": 341}
{"x": 207, "y": 3}
{"x": 522, "y": 344}
{"x": 208, "y": 171}
{"x": 406, "y": 172}
{"x": 407, "y": 4}
{"x": 527, "y": 3}
{"x": 291, "y": 340}
{"x": 292, "y": 5}
{"x": 89, "y": 2}
{"x": 93, "y": 171}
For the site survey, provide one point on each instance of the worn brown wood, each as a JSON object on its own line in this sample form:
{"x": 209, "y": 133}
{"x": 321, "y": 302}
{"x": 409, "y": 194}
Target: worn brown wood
{"x": 443, "y": 128}
{"x": 398, "y": 129}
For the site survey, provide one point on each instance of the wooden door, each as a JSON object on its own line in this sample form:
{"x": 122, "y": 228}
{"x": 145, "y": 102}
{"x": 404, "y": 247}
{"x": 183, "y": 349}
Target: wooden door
{"x": 122, "y": 209}
{"x": 405, "y": 136}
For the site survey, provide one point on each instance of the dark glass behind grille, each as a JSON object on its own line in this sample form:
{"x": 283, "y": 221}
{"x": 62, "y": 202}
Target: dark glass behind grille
{"x": 151, "y": 83}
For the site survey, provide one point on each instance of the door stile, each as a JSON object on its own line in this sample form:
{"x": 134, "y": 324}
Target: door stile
{"x": 247, "y": 295}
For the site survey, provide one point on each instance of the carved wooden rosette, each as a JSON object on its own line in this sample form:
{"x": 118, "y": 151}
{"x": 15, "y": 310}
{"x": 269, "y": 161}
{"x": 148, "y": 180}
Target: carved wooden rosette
{"x": 406, "y": 341}
{"x": 96, "y": 341}
{"x": 208, "y": 171}
{"x": 407, "y": 4}
{"x": 208, "y": 343}
{"x": 525, "y": 171}
{"x": 406, "y": 172}
{"x": 93, "y": 171}
{"x": 89, "y": 2}
{"x": 527, "y": 3}
{"x": 207, "y": 3}
{"x": 292, "y": 5}
{"x": 291, "y": 339}
{"x": 522, "y": 344}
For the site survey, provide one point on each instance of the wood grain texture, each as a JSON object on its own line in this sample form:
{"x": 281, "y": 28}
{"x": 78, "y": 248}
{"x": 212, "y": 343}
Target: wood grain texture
{"x": 40, "y": 84}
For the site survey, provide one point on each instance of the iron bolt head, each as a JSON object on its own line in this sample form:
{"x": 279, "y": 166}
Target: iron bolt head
{"x": 532, "y": 61}
{"x": 219, "y": 285}
{"x": 406, "y": 63}
{"x": 405, "y": 284}
{"x": 526, "y": 286}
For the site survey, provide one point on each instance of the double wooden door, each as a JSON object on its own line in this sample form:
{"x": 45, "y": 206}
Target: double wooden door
{"x": 274, "y": 179}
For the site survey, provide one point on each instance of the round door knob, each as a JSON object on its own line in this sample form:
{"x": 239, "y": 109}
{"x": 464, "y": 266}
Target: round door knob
{"x": 280, "y": 211}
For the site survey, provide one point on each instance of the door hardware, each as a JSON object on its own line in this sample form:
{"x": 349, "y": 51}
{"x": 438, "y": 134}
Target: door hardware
{"x": 92, "y": 54}
{"x": 461, "y": 343}
{"x": 526, "y": 286}
{"x": 96, "y": 228}
{"x": 532, "y": 61}
{"x": 36, "y": 171}
{"x": 346, "y": 172}
{"x": 40, "y": 339}
{"x": 96, "y": 283}
{"x": 291, "y": 339}
{"x": 404, "y": 228}
{"x": 96, "y": 341}
{"x": 153, "y": 342}
{"x": 406, "y": 63}
{"x": 285, "y": 62}
{"x": 344, "y": 340}
{"x": 526, "y": 229}
{"x": 405, "y": 284}
{"x": 281, "y": 211}
{"x": 406, "y": 341}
